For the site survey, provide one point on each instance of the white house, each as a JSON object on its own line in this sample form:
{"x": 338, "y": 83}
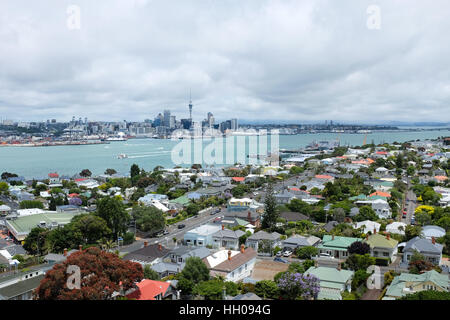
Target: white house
{"x": 396, "y": 227}
{"x": 368, "y": 225}
{"x": 232, "y": 265}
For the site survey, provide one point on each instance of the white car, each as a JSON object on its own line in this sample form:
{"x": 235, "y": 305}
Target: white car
{"x": 287, "y": 253}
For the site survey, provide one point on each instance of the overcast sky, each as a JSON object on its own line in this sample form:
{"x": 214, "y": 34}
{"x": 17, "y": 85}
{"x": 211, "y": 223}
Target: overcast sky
{"x": 249, "y": 59}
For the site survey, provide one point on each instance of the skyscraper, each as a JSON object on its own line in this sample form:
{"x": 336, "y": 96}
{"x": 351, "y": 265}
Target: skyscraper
{"x": 167, "y": 118}
{"x": 234, "y": 124}
{"x": 190, "y": 105}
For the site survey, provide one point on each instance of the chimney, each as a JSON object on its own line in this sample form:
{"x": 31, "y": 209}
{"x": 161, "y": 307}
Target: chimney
{"x": 332, "y": 237}
{"x": 65, "y": 252}
{"x": 80, "y": 247}
{"x": 159, "y": 247}
{"x": 339, "y": 266}
{"x": 229, "y": 254}
{"x": 223, "y": 227}
{"x": 249, "y": 217}
{"x": 242, "y": 248}
{"x": 388, "y": 236}
{"x": 145, "y": 243}
{"x": 433, "y": 240}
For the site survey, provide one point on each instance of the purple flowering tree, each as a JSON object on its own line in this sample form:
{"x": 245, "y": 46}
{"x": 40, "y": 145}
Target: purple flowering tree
{"x": 75, "y": 201}
{"x": 299, "y": 286}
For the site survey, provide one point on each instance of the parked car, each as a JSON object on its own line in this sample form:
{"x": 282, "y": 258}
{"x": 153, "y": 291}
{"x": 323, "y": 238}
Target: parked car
{"x": 217, "y": 219}
{"x": 277, "y": 259}
{"x": 181, "y": 226}
{"x": 166, "y": 232}
{"x": 287, "y": 253}
{"x": 325, "y": 255}
{"x": 279, "y": 254}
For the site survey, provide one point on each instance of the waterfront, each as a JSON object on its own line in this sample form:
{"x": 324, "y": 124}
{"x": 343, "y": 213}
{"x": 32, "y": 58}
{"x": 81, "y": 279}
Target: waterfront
{"x": 149, "y": 153}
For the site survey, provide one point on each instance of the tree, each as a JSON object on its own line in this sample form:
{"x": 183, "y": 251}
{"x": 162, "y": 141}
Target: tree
{"x": 91, "y": 227}
{"x": 194, "y": 271}
{"x": 418, "y": 264}
{"x": 307, "y": 252}
{"x": 30, "y": 204}
{"x": 359, "y": 247}
{"x": 35, "y": 241}
{"x": 102, "y": 274}
{"x": 267, "y": 289}
{"x": 366, "y": 213}
{"x": 85, "y": 173}
{"x": 295, "y": 286}
{"x": 423, "y": 218}
{"x": 113, "y": 212}
{"x": 150, "y": 274}
{"x": 412, "y": 232}
{"x": 359, "y": 278}
{"x": 427, "y": 295}
{"x": 339, "y": 215}
{"x": 110, "y": 172}
{"x": 149, "y": 219}
{"x": 298, "y": 205}
{"x": 359, "y": 262}
{"x": 4, "y": 187}
{"x": 214, "y": 289}
{"x": 192, "y": 209}
{"x": 134, "y": 171}
{"x": 7, "y": 175}
{"x": 271, "y": 213}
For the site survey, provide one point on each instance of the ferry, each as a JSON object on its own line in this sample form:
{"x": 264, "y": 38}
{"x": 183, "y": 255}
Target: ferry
{"x": 120, "y": 137}
{"x": 122, "y": 156}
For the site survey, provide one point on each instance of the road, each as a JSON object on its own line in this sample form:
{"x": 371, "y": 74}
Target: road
{"x": 410, "y": 206}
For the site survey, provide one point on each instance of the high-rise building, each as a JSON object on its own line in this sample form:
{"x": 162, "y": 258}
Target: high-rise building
{"x": 167, "y": 118}
{"x": 234, "y": 124}
{"x": 172, "y": 122}
{"x": 210, "y": 120}
{"x": 190, "y": 105}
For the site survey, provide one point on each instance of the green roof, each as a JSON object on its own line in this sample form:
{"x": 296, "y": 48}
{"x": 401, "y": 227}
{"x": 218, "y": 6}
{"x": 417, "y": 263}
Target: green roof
{"x": 241, "y": 222}
{"x": 377, "y": 198}
{"x": 328, "y": 295}
{"x": 339, "y": 243}
{"x": 379, "y": 241}
{"x": 358, "y": 197}
{"x": 183, "y": 200}
{"x": 328, "y": 275}
{"x": 398, "y": 284}
{"x": 23, "y": 225}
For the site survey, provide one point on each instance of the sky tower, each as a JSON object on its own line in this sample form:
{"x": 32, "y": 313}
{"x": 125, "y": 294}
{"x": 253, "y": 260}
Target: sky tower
{"x": 190, "y": 106}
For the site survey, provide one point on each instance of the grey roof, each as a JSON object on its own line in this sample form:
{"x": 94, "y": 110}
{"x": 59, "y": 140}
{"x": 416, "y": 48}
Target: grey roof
{"x": 433, "y": 231}
{"x": 330, "y": 225}
{"x": 423, "y": 246}
{"x": 147, "y": 254}
{"x": 246, "y": 296}
{"x": 354, "y": 211}
{"x": 20, "y": 287}
{"x": 186, "y": 251}
{"x": 301, "y": 241}
{"x": 161, "y": 267}
{"x": 293, "y": 216}
{"x": 3, "y": 260}
{"x": 263, "y": 235}
{"x": 227, "y": 233}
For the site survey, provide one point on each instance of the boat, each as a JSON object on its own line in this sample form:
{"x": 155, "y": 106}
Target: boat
{"x": 120, "y": 137}
{"x": 122, "y": 156}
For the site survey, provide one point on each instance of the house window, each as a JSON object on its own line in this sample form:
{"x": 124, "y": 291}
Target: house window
{"x": 385, "y": 254}
{"x": 232, "y": 274}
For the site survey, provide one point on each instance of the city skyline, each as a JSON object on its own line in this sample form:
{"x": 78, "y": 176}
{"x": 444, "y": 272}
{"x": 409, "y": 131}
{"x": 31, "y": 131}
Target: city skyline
{"x": 260, "y": 60}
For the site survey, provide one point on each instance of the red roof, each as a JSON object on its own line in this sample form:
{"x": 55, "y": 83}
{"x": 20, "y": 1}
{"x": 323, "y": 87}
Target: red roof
{"x": 381, "y": 194}
{"x": 321, "y": 176}
{"x": 82, "y": 179}
{"x": 382, "y": 152}
{"x": 71, "y": 195}
{"x": 441, "y": 178}
{"x": 238, "y": 179}
{"x": 53, "y": 175}
{"x": 149, "y": 289}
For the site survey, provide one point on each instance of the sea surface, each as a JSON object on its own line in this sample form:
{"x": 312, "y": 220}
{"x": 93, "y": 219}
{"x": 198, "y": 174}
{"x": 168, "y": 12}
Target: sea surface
{"x": 37, "y": 162}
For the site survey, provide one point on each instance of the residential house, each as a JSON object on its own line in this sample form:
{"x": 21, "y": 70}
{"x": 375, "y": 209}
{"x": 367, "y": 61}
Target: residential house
{"x": 148, "y": 255}
{"x": 153, "y": 290}
{"x": 232, "y": 265}
{"x": 396, "y": 227}
{"x": 202, "y": 235}
{"x": 407, "y": 283}
{"x": 368, "y": 225}
{"x": 382, "y": 246}
{"x": 227, "y": 239}
{"x": 293, "y": 216}
{"x": 336, "y": 246}
{"x": 264, "y": 242}
{"x": 382, "y": 209}
{"x": 297, "y": 241}
{"x": 430, "y": 232}
{"x": 332, "y": 281}
{"x": 430, "y": 249}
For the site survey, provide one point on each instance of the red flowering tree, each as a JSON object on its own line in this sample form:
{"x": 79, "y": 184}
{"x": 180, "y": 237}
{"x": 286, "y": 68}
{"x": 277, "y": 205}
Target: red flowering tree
{"x": 101, "y": 274}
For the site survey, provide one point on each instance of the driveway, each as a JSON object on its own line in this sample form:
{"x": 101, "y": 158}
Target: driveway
{"x": 371, "y": 294}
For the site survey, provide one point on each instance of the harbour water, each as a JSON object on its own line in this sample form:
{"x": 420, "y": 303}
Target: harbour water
{"x": 149, "y": 153}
